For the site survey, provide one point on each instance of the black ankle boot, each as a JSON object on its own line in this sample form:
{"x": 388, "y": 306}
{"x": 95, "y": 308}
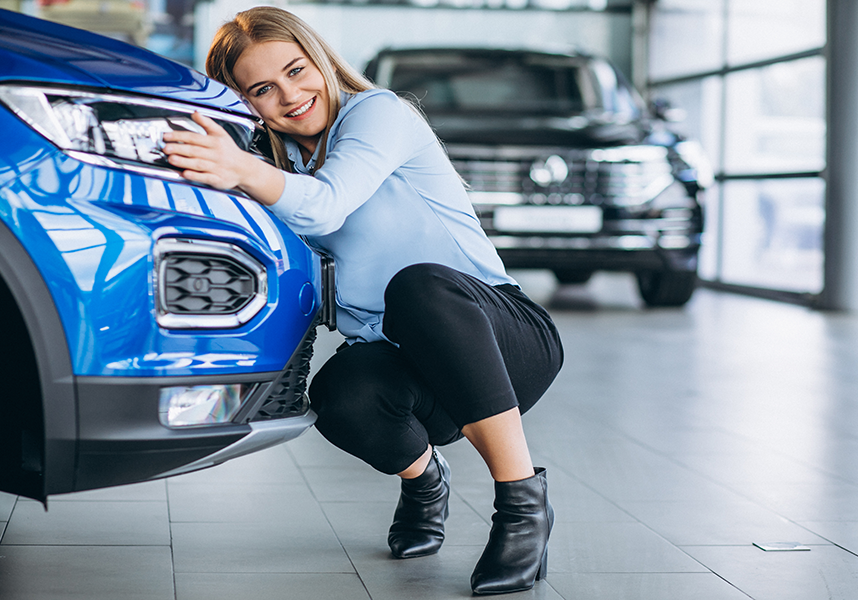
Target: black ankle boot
{"x": 418, "y": 523}
{"x": 517, "y": 553}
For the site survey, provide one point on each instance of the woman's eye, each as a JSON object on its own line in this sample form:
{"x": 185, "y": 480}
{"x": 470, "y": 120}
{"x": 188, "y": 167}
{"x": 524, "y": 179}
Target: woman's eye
{"x": 262, "y": 90}
{"x": 295, "y": 71}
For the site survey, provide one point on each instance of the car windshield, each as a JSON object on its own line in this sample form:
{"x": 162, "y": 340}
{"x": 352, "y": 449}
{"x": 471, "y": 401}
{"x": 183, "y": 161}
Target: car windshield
{"x": 496, "y": 82}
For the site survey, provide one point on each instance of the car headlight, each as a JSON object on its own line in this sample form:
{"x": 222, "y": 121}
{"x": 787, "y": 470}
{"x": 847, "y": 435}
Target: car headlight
{"x": 692, "y": 154}
{"x": 115, "y": 130}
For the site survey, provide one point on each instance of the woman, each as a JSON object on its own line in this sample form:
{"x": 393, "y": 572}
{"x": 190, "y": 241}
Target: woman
{"x": 441, "y": 342}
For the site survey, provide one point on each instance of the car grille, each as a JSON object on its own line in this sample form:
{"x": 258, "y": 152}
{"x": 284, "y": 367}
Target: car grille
{"x": 207, "y": 284}
{"x": 620, "y": 176}
{"x": 198, "y": 285}
{"x": 287, "y": 397}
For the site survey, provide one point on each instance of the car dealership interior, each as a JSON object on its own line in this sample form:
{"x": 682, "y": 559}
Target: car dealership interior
{"x": 699, "y": 439}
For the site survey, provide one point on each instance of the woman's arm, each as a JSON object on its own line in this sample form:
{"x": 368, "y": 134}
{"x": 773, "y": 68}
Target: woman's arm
{"x": 375, "y": 137}
{"x": 215, "y": 160}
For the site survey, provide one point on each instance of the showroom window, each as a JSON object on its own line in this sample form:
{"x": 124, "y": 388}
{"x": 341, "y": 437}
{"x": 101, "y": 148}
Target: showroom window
{"x": 750, "y": 77}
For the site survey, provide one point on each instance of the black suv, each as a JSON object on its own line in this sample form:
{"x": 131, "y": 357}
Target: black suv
{"x": 567, "y": 169}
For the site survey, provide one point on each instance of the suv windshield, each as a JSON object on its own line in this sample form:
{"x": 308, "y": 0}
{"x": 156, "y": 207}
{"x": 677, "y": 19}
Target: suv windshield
{"x": 497, "y": 82}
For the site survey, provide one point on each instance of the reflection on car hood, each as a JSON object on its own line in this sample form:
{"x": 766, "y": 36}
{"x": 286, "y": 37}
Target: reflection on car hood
{"x": 36, "y": 50}
{"x": 517, "y": 130}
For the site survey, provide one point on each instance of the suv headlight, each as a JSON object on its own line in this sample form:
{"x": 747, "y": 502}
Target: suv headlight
{"x": 115, "y": 130}
{"x": 691, "y": 152}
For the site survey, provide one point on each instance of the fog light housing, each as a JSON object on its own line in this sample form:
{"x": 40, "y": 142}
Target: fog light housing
{"x": 191, "y": 406}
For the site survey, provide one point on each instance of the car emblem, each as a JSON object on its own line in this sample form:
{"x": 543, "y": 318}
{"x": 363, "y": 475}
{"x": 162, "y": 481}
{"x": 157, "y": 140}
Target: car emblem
{"x": 551, "y": 170}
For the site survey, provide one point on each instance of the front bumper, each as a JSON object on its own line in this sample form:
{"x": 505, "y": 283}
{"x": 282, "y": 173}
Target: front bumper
{"x": 599, "y": 253}
{"x": 121, "y": 439}
{"x": 645, "y": 238}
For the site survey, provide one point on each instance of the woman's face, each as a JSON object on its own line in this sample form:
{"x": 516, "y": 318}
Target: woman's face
{"x": 286, "y": 88}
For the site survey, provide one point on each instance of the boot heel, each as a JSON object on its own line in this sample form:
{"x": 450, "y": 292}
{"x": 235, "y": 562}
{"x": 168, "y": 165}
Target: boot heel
{"x": 543, "y": 567}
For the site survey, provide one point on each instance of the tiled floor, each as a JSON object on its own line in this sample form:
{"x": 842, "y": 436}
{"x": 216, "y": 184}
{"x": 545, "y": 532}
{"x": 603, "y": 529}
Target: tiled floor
{"x": 674, "y": 440}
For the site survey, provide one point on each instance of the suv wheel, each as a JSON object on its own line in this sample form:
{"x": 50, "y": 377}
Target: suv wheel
{"x": 666, "y": 288}
{"x": 572, "y": 275}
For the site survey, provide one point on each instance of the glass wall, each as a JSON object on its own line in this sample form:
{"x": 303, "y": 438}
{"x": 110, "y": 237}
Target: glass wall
{"x": 750, "y": 75}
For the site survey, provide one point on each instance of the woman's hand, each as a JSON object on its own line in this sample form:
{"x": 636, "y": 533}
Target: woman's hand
{"x": 215, "y": 160}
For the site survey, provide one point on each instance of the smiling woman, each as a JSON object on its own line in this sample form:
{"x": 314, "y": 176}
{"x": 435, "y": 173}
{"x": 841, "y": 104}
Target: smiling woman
{"x": 441, "y": 342}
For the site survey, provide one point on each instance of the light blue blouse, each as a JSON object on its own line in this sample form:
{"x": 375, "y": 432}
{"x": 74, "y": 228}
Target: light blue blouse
{"x": 385, "y": 198}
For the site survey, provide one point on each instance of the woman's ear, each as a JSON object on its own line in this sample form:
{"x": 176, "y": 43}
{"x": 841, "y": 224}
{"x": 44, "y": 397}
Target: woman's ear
{"x": 249, "y": 106}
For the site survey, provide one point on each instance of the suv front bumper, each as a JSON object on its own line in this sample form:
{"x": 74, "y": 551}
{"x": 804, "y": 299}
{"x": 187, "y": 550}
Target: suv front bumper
{"x": 122, "y": 440}
{"x": 599, "y": 253}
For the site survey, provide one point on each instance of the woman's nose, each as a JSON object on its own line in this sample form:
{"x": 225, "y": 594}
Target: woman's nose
{"x": 289, "y": 94}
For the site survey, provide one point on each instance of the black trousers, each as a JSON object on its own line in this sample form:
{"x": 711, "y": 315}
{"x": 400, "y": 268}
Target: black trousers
{"x": 465, "y": 351}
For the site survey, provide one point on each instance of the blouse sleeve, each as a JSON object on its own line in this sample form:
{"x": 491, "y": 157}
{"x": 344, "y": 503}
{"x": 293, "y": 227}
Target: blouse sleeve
{"x": 374, "y": 138}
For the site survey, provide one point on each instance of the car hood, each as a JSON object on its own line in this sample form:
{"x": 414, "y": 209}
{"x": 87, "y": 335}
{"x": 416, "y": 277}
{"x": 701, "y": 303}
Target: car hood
{"x": 36, "y": 50}
{"x": 538, "y": 130}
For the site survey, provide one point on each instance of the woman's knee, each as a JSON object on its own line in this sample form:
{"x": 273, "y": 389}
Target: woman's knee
{"x": 421, "y": 293}
{"x": 364, "y": 407}
{"x": 413, "y": 282}
{"x": 342, "y": 396}
{"x": 362, "y": 386}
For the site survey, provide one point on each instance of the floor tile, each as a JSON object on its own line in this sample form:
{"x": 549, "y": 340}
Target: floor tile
{"x": 85, "y": 572}
{"x": 269, "y": 586}
{"x": 841, "y": 533}
{"x": 823, "y": 572}
{"x": 684, "y": 442}
{"x": 644, "y": 586}
{"x": 355, "y": 483}
{"x": 831, "y": 500}
{"x": 257, "y": 548}
{"x": 155, "y": 491}
{"x": 629, "y": 472}
{"x": 237, "y": 502}
{"x": 614, "y": 548}
{"x": 361, "y": 527}
{"x": 312, "y": 451}
{"x": 7, "y": 503}
{"x": 273, "y": 465}
{"x": 89, "y": 524}
{"x": 759, "y": 465}
{"x": 576, "y": 503}
{"x": 719, "y": 520}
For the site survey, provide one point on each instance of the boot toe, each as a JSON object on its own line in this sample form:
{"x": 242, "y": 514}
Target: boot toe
{"x": 409, "y": 544}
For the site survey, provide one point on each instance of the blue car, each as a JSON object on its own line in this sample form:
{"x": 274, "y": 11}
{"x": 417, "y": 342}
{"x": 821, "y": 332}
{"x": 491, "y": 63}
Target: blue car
{"x": 150, "y": 326}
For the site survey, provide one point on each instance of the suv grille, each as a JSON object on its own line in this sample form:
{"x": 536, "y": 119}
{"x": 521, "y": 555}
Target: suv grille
{"x": 287, "y": 397}
{"x": 199, "y": 285}
{"x": 620, "y": 176}
{"x": 207, "y": 284}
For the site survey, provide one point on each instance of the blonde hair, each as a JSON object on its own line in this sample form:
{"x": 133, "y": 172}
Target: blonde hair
{"x": 272, "y": 24}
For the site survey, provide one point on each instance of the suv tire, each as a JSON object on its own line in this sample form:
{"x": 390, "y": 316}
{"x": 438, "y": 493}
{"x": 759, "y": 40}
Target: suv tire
{"x": 572, "y": 276}
{"x": 666, "y": 288}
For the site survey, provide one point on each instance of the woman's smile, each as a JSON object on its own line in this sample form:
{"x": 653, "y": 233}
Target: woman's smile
{"x": 302, "y": 110}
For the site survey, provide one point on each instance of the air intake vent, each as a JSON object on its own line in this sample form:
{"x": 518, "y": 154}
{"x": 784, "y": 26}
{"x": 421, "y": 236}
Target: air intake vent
{"x": 197, "y": 285}
{"x": 204, "y": 284}
{"x": 287, "y": 397}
